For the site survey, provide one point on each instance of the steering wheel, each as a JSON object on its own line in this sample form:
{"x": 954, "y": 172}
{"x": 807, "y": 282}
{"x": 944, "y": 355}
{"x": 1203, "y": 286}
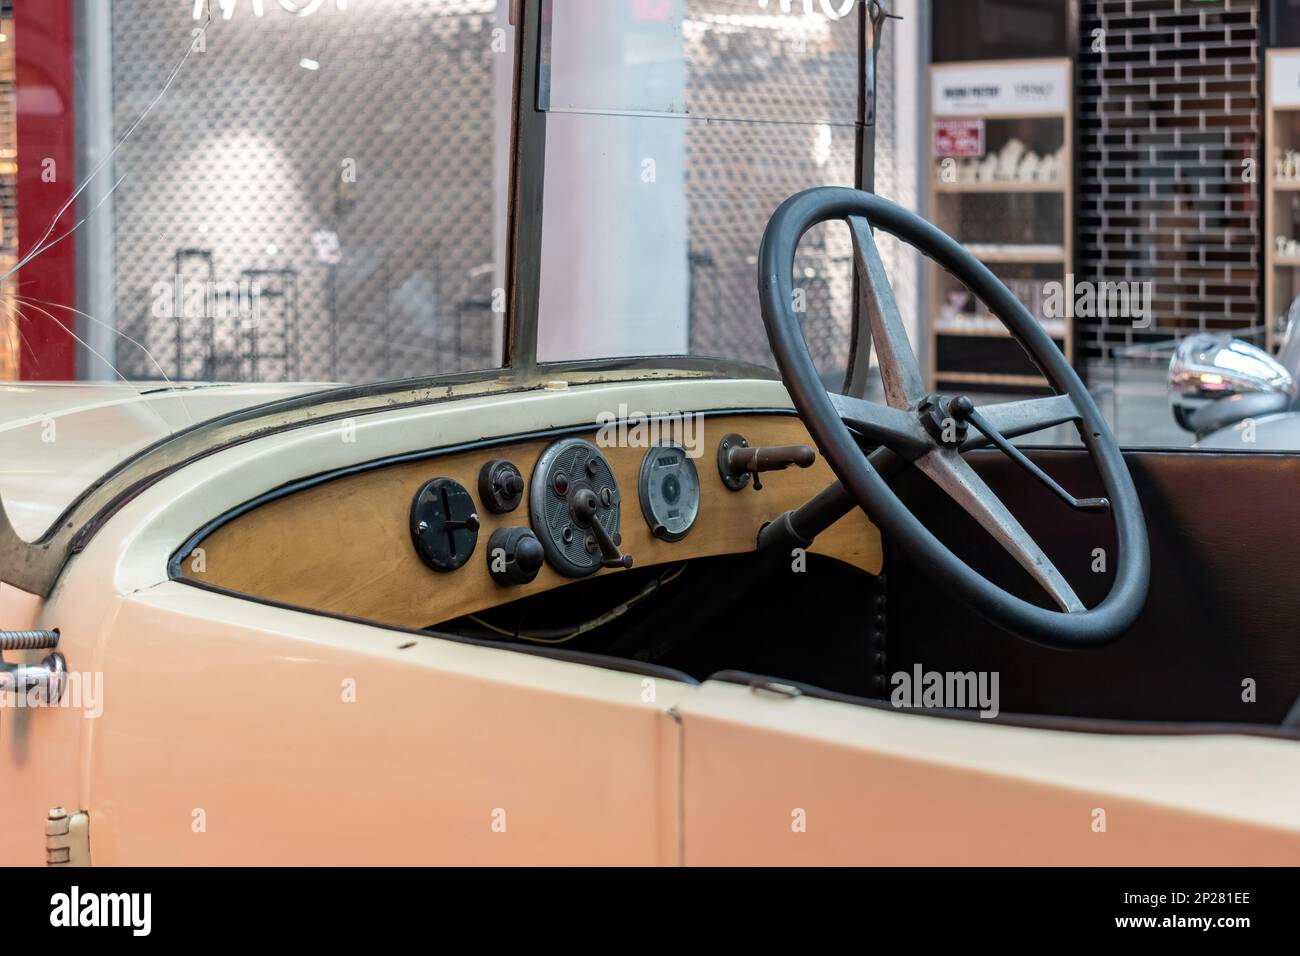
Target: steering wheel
{"x": 932, "y": 431}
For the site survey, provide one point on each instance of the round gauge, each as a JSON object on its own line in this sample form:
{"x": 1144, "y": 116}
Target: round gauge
{"x": 573, "y": 489}
{"x": 669, "y": 488}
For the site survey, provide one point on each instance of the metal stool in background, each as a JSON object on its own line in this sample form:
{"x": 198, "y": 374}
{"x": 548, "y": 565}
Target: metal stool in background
{"x": 201, "y": 265}
{"x": 278, "y": 288}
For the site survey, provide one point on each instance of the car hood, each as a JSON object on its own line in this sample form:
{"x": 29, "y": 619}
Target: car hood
{"x": 57, "y": 439}
{"x": 1280, "y": 432}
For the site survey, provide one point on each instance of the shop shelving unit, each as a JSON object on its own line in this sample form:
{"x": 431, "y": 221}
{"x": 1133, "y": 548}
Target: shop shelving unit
{"x": 1020, "y": 226}
{"x": 1281, "y": 189}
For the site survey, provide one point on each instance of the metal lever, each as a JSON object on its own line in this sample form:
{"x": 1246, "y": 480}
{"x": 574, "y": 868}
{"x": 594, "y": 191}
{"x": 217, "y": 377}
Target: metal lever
{"x": 470, "y": 523}
{"x": 737, "y": 462}
{"x": 48, "y": 675}
{"x": 585, "y": 503}
{"x": 963, "y": 409}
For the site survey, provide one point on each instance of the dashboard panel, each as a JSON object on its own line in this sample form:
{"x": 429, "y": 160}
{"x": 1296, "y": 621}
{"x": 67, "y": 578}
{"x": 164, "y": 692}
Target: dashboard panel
{"x": 418, "y": 542}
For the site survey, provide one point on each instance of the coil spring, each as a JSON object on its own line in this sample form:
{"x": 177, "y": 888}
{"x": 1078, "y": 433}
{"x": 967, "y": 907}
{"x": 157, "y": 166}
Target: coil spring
{"x": 27, "y": 640}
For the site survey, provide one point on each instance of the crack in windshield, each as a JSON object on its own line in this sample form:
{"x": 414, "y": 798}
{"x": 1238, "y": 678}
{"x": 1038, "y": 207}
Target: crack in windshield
{"x": 45, "y": 243}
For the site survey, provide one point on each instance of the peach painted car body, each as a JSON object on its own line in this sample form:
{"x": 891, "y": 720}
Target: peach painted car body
{"x": 224, "y": 735}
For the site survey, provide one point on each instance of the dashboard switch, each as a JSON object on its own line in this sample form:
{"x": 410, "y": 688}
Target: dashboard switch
{"x": 500, "y": 486}
{"x": 574, "y": 508}
{"x": 514, "y": 556}
{"x": 444, "y": 524}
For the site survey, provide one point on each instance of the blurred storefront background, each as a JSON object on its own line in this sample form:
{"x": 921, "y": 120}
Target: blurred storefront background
{"x": 343, "y": 164}
{"x": 320, "y": 191}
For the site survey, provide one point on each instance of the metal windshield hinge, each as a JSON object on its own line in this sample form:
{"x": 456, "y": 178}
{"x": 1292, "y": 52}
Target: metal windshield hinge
{"x": 877, "y": 14}
{"x": 67, "y": 838}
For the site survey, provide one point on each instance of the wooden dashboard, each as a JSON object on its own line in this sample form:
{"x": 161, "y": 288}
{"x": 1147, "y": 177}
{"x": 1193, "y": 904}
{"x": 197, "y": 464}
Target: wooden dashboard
{"x": 343, "y": 546}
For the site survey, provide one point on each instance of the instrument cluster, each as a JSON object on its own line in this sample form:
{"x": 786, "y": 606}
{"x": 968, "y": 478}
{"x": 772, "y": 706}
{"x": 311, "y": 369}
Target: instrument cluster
{"x": 575, "y": 506}
{"x": 575, "y": 512}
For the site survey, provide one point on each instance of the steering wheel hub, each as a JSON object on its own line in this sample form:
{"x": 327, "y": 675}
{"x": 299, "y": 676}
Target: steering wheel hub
{"x": 947, "y": 419}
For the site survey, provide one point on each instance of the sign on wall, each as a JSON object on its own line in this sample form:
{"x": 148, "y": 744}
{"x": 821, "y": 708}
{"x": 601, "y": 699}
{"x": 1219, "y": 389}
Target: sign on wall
{"x": 1007, "y": 89}
{"x": 959, "y": 137}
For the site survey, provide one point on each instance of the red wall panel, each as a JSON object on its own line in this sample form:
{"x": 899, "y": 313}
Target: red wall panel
{"x": 46, "y": 180}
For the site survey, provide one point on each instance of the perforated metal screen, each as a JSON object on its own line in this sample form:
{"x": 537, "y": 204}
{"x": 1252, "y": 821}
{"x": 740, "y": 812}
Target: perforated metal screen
{"x": 241, "y": 182}
{"x": 374, "y": 124}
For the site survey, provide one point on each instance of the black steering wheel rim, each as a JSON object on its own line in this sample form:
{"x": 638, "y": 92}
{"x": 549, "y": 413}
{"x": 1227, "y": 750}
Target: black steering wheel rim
{"x": 1079, "y": 629}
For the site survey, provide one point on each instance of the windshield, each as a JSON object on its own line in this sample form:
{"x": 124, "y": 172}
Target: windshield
{"x": 674, "y": 130}
{"x": 319, "y": 192}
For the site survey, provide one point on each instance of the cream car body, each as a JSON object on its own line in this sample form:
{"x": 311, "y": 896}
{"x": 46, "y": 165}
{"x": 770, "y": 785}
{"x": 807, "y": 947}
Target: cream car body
{"x": 232, "y": 731}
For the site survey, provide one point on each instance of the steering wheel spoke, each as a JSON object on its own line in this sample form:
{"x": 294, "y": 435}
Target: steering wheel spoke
{"x": 900, "y": 372}
{"x": 894, "y": 428}
{"x": 954, "y": 475}
{"x": 1013, "y": 419}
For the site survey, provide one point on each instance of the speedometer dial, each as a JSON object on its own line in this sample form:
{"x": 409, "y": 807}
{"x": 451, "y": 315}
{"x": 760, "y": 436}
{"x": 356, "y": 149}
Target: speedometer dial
{"x": 669, "y": 487}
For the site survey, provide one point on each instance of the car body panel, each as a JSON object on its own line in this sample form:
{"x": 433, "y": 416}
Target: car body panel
{"x": 308, "y": 740}
{"x": 56, "y": 439}
{"x": 1280, "y": 432}
{"x": 870, "y": 787}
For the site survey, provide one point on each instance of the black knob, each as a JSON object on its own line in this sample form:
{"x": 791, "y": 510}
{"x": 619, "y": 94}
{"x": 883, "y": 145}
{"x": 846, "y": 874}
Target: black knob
{"x": 529, "y": 555}
{"x": 514, "y": 556}
{"x": 500, "y": 486}
{"x": 444, "y": 524}
{"x": 585, "y": 504}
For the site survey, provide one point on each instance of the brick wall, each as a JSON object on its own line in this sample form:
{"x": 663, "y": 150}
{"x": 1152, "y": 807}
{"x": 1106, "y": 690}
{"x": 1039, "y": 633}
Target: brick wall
{"x": 1167, "y": 114}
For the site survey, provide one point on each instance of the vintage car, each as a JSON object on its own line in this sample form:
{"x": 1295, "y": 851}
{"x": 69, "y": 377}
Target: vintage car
{"x": 643, "y": 610}
{"x": 466, "y": 622}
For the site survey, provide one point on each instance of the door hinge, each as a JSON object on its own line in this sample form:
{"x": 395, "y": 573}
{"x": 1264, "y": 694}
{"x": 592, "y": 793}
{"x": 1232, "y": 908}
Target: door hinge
{"x": 67, "y": 838}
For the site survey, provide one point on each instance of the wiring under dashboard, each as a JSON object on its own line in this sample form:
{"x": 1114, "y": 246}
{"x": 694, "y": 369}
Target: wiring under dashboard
{"x": 563, "y": 635}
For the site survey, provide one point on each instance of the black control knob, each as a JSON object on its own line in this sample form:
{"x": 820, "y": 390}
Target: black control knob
{"x": 500, "y": 486}
{"x": 444, "y": 524}
{"x": 514, "y": 556}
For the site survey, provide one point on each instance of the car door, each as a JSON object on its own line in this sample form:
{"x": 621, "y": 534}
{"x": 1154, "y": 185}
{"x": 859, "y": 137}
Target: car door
{"x": 774, "y": 779}
{"x": 39, "y": 746}
{"x": 242, "y": 733}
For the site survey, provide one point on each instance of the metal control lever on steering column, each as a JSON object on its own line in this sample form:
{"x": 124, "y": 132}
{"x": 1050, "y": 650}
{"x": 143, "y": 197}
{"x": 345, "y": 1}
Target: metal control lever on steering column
{"x": 963, "y": 410}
